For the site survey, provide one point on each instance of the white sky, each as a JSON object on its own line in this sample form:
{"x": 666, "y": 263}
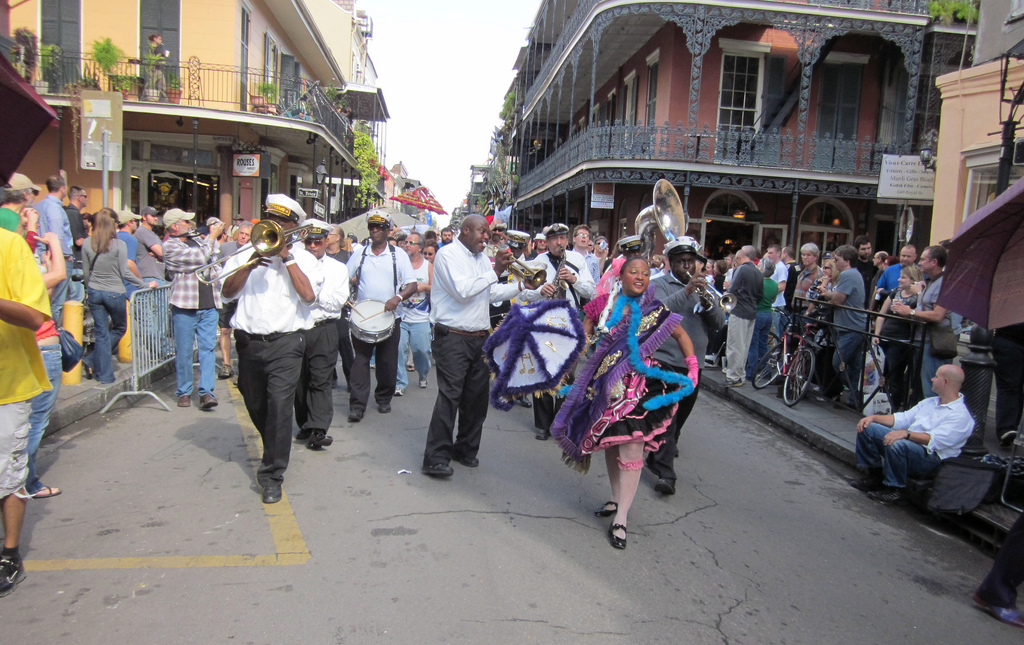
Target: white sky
{"x": 444, "y": 67}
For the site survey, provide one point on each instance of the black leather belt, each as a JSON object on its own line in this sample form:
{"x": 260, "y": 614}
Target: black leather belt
{"x": 266, "y": 338}
{"x": 483, "y": 333}
{"x": 325, "y": 322}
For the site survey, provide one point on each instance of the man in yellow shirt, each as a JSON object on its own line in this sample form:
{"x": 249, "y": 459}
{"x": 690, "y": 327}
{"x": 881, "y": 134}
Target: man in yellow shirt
{"x": 24, "y": 307}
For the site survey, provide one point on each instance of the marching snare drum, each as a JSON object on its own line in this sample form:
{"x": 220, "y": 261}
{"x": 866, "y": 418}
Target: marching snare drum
{"x": 370, "y": 323}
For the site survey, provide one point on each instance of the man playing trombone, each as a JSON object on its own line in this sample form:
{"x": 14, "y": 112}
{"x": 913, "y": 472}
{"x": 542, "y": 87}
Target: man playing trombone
{"x": 275, "y": 292}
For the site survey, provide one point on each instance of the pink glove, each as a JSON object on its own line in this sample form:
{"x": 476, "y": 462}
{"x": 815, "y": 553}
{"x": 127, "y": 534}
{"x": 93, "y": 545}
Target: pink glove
{"x": 693, "y": 369}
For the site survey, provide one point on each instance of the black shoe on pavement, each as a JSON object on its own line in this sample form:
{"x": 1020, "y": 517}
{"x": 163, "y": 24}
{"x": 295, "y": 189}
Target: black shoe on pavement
{"x": 319, "y": 440}
{"x": 303, "y": 435}
{"x": 889, "y": 496}
{"x": 355, "y": 416}
{"x": 384, "y": 408}
{"x": 1006, "y": 438}
{"x": 870, "y": 482}
{"x": 666, "y": 486}
{"x": 524, "y": 403}
{"x": 468, "y": 462}
{"x": 12, "y": 571}
{"x": 542, "y": 436}
{"x": 272, "y": 493}
{"x": 438, "y": 470}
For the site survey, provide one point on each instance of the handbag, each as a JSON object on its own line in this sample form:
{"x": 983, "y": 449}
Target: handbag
{"x": 963, "y": 484}
{"x": 70, "y": 350}
{"x": 943, "y": 341}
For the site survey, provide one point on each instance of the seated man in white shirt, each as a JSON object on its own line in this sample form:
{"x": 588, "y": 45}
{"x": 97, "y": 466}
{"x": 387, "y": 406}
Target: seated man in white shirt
{"x": 893, "y": 447}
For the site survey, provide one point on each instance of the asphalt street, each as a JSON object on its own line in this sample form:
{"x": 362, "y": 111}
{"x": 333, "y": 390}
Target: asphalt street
{"x": 160, "y": 537}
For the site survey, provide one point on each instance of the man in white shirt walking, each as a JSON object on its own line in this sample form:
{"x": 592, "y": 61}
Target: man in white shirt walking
{"x": 465, "y": 283}
{"x": 314, "y": 409}
{"x": 380, "y": 272}
{"x": 274, "y": 298}
{"x": 893, "y": 447}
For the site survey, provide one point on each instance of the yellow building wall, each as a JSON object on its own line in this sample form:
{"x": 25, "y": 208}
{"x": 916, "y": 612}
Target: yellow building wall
{"x": 970, "y": 121}
{"x": 211, "y": 31}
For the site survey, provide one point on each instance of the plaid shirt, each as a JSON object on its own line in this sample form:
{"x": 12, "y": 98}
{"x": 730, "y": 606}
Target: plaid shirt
{"x": 181, "y": 261}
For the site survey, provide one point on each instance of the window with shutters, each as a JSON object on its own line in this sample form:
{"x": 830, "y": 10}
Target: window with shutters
{"x": 161, "y": 17}
{"x": 738, "y": 99}
{"x": 629, "y": 105}
{"x": 652, "y": 93}
{"x": 269, "y": 58}
{"x": 61, "y": 25}
{"x": 839, "y": 101}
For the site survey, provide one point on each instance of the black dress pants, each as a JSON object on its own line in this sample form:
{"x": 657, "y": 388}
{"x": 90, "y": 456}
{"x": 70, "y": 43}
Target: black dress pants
{"x": 545, "y": 409}
{"x": 999, "y": 588}
{"x": 268, "y": 371}
{"x": 662, "y": 461}
{"x": 386, "y": 366}
{"x": 1009, "y": 371}
{"x": 345, "y": 346}
{"x": 314, "y": 408}
{"x": 462, "y": 387}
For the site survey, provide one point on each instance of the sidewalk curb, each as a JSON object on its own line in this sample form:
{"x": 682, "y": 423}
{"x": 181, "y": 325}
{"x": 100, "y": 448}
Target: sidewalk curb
{"x": 814, "y": 436}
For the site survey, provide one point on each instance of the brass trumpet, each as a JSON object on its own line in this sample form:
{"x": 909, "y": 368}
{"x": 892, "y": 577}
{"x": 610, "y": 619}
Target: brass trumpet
{"x": 533, "y": 275}
{"x": 709, "y": 296}
{"x": 267, "y": 238}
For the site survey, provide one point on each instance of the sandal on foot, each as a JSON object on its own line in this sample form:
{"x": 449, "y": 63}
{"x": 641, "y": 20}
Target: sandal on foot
{"x": 617, "y": 542}
{"x": 46, "y": 491}
{"x": 604, "y": 511}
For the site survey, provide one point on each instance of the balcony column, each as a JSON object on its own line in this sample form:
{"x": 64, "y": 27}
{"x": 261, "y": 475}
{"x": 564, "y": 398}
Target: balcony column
{"x": 912, "y": 45}
{"x": 226, "y": 193}
{"x": 699, "y": 29}
{"x": 558, "y": 109}
{"x": 810, "y": 38}
{"x": 794, "y": 242}
{"x": 547, "y": 122}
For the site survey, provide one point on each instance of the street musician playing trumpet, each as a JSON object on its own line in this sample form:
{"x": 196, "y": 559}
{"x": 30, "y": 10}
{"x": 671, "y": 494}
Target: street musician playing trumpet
{"x": 568, "y": 278}
{"x": 275, "y": 295}
{"x": 685, "y": 292}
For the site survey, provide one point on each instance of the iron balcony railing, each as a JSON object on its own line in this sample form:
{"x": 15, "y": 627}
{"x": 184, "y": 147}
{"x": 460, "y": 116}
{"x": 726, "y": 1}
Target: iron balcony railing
{"x": 584, "y": 8}
{"x": 197, "y": 84}
{"x": 782, "y": 150}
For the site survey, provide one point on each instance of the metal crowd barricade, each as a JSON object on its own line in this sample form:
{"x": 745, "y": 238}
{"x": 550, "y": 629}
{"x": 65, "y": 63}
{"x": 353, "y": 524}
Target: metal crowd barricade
{"x": 152, "y": 339}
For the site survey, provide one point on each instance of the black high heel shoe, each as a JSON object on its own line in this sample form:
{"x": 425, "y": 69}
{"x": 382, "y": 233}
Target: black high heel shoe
{"x": 604, "y": 511}
{"x": 617, "y": 542}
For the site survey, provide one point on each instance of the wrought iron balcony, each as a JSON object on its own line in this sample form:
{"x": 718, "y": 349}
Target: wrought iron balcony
{"x": 716, "y": 147}
{"x": 196, "y": 84}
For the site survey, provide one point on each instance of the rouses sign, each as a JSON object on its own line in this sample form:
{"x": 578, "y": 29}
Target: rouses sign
{"x": 246, "y": 165}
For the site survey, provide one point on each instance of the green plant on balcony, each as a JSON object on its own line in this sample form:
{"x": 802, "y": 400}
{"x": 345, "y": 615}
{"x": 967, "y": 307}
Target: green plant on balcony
{"x": 173, "y": 89}
{"x": 49, "y": 58}
{"x": 107, "y": 55}
{"x": 368, "y": 167}
{"x": 121, "y": 83}
{"x": 25, "y": 53}
{"x": 331, "y": 92}
{"x": 950, "y": 11}
{"x": 268, "y": 91}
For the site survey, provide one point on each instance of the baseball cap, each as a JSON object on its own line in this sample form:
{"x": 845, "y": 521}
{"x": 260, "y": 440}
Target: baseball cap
{"x": 176, "y": 215}
{"x": 539, "y": 236}
{"x": 149, "y": 210}
{"x": 282, "y": 206}
{"x": 22, "y": 182}
{"x": 499, "y": 226}
{"x": 125, "y": 215}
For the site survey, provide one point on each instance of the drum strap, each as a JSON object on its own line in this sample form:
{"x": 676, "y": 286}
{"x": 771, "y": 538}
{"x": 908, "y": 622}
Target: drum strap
{"x": 359, "y": 271}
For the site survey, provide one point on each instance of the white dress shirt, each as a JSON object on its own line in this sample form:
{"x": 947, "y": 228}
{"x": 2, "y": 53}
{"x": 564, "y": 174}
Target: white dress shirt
{"x": 464, "y": 286}
{"x": 584, "y": 286}
{"x": 949, "y": 425}
{"x": 377, "y": 279}
{"x": 268, "y": 302}
{"x": 334, "y": 294}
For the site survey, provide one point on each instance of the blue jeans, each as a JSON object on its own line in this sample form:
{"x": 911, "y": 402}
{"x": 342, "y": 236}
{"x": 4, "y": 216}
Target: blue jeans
{"x": 198, "y": 326}
{"x": 39, "y": 418}
{"x": 110, "y": 313}
{"x": 930, "y": 365}
{"x": 850, "y": 350}
{"x": 418, "y": 335}
{"x": 759, "y": 342}
{"x": 900, "y": 460}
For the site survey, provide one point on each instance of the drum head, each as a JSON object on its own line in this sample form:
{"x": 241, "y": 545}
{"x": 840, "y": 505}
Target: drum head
{"x": 369, "y": 315}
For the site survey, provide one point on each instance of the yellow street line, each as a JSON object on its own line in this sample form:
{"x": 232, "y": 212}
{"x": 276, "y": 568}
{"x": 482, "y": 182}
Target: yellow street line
{"x": 289, "y": 544}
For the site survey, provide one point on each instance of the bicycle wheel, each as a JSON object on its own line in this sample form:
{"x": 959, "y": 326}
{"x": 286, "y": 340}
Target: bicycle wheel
{"x": 801, "y": 371}
{"x": 768, "y": 368}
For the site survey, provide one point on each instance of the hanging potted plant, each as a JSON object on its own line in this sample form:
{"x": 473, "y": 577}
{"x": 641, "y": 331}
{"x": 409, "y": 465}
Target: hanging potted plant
{"x": 25, "y": 53}
{"x": 107, "y": 56}
{"x": 173, "y": 89}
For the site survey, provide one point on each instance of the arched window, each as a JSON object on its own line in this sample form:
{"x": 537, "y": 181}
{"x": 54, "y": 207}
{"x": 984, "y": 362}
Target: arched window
{"x": 826, "y": 222}
{"x": 723, "y": 229}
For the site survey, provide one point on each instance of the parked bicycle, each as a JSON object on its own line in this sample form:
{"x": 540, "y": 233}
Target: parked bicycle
{"x": 792, "y": 358}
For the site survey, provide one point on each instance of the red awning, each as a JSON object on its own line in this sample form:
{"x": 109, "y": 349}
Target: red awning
{"x": 421, "y": 198}
{"x": 25, "y": 116}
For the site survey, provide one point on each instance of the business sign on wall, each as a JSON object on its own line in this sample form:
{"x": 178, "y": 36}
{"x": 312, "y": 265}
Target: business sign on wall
{"x": 247, "y": 165}
{"x": 602, "y": 196}
{"x": 905, "y": 180}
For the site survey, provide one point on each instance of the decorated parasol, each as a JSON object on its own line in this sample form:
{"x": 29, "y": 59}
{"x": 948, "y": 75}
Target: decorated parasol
{"x": 421, "y": 198}
{"x": 532, "y": 350}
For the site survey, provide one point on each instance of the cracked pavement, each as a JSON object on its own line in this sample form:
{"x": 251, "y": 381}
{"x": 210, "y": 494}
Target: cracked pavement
{"x": 763, "y": 543}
